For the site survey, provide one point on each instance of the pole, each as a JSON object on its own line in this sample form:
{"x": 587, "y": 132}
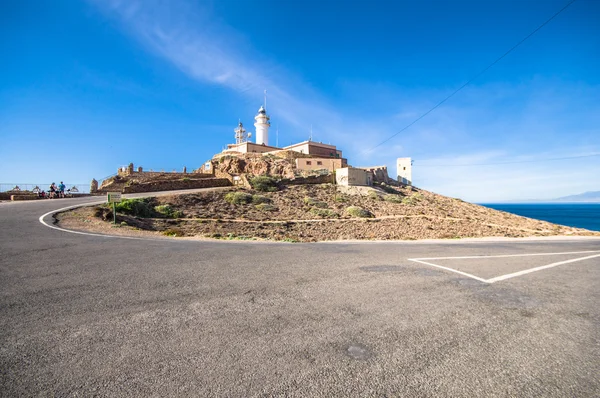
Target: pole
{"x": 333, "y": 180}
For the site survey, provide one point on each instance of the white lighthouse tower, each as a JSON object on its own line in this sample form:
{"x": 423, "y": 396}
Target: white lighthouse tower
{"x": 262, "y": 126}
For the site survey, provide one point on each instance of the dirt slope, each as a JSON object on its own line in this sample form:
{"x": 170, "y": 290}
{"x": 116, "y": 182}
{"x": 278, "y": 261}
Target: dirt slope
{"x": 309, "y": 213}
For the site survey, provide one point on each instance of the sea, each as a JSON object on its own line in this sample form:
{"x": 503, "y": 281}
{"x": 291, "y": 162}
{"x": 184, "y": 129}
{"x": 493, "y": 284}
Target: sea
{"x": 579, "y": 215}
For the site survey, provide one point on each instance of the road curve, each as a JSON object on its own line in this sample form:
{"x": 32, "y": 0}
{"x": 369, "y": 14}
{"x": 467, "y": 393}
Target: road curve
{"x": 91, "y": 315}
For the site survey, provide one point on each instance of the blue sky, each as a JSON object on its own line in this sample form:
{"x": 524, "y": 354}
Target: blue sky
{"x": 87, "y": 87}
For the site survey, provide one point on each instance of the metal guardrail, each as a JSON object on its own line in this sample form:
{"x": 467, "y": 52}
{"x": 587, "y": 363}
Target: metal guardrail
{"x": 31, "y": 187}
{"x": 106, "y": 178}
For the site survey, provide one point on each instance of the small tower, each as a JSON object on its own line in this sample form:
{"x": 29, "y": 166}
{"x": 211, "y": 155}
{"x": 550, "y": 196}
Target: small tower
{"x": 262, "y": 126}
{"x": 241, "y": 135}
{"x": 404, "y": 170}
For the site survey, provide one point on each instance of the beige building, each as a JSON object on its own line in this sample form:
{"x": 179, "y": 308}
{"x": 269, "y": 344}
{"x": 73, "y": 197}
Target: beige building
{"x": 353, "y": 176}
{"x": 250, "y": 147}
{"x": 319, "y": 164}
{"x": 316, "y": 149}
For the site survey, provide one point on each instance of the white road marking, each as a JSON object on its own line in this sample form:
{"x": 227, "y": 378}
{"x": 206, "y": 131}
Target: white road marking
{"x": 449, "y": 269}
{"x": 527, "y": 271}
{"x": 507, "y": 255}
{"x": 507, "y": 276}
{"x": 128, "y": 196}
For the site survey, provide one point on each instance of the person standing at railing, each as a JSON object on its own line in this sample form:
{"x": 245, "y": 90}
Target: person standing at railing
{"x": 61, "y": 190}
{"x": 52, "y": 190}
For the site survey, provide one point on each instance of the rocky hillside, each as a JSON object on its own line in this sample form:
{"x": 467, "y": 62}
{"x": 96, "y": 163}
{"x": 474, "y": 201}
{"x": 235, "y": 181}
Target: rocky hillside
{"x": 280, "y": 165}
{"x": 308, "y": 213}
{"x": 255, "y": 164}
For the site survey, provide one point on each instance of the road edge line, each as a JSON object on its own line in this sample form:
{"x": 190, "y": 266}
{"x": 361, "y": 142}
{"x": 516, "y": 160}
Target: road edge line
{"x": 53, "y": 212}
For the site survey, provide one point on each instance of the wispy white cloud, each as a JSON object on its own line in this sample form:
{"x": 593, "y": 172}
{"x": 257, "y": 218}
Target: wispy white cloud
{"x": 211, "y": 52}
{"x": 533, "y": 118}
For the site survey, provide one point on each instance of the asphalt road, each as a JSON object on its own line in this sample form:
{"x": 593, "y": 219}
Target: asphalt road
{"x": 86, "y": 315}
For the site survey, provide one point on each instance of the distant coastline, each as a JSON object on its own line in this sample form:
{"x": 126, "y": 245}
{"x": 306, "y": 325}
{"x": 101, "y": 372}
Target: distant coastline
{"x": 586, "y": 197}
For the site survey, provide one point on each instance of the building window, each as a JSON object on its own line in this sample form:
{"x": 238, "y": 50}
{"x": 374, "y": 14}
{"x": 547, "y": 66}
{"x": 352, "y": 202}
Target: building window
{"x": 319, "y": 163}
{"x": 308, "y": 162}
{"x": 404, "y": 168}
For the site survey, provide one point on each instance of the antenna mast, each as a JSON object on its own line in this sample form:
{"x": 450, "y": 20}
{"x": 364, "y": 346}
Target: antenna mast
{"x": 241, "y": 135}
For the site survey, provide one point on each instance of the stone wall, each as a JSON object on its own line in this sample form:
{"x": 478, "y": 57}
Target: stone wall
{"x": 24, "y": 197}
{"x": 130, "y": 171}
{"x": 379, "y": 173}
{"x": 322, "y": 179}
{"x": 157, "y": 186}
{"x": 5, "y": 195}
{"x": 170, "y": 174}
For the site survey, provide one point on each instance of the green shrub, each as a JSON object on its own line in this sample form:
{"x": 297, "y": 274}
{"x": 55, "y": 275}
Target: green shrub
{"x": 264, "y": 184}
{"x": 258, "y": 199}
{"x": 412, "y": 199}
{"x": 325, "y": 213}
{"x": 238, "y": 198}
{"x": 341, "y": 199}
{"x": 314, "y": 203}
{"x": 393, "y": 198}
{"x": 168, "y": 211}
{"x": 374, "y": 195}
{"x": 356, "y": 211}
{"x": 185, "y": 179}
{"x": 135, "y": 207}
{"x": 265, "y": 207}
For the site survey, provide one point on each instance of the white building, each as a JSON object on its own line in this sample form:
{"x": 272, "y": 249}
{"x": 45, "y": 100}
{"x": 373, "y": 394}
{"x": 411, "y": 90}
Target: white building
{"x": 352, "y": 176}
{"x": 404, "y": 170}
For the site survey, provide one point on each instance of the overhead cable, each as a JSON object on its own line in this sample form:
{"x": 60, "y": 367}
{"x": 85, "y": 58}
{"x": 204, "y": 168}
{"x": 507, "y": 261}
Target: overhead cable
{"x": 474, "y": 77}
